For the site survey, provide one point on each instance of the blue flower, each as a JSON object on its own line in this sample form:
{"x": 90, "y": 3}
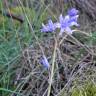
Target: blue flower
{"x": 73, "y": 12}
{"x": 45, "y": 62}
{"x": 50, "y": 27}
{"x": 67, "y": 22}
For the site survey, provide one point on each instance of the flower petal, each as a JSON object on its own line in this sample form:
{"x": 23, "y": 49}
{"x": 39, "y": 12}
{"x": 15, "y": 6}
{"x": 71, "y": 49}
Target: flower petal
{"x": 73, "y": 21}
{"x": 51, "y": 25}
{"x": 68, "y": 30}
{"x": 57, "y": 25}
{"x": 61, "y": 31}
{"x": 61, "y": 19}
{"x": 72, "y": 12}
{"x": 44, "y": 28}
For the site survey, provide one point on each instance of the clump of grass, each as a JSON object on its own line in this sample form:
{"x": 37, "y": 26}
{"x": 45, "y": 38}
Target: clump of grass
{"x": 88, "y": 89}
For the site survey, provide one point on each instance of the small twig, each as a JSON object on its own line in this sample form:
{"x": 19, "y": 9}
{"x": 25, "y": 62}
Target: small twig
{"x": 13, "y": 16}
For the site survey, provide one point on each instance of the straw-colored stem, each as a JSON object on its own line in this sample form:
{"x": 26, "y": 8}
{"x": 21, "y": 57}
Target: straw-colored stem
{"x": 52, "y": 70}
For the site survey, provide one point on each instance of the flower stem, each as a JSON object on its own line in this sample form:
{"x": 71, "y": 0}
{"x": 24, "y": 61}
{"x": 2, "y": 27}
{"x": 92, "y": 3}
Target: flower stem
{"x": 52, "y": 70}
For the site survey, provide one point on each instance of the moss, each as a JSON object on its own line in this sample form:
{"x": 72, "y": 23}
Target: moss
{"x": 89, "y": 89}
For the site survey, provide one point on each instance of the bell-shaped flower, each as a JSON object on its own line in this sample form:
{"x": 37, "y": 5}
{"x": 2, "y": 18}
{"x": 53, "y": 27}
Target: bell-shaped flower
{"x": 66, "y": 23}
{"x": 44, "y": 62}
{"x": 50, "y": 27}
{"x": 73, "y": 12}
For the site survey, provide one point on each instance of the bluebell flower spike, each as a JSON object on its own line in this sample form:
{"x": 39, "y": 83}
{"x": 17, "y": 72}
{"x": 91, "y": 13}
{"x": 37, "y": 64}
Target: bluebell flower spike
{"x": 64, "y": 24}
